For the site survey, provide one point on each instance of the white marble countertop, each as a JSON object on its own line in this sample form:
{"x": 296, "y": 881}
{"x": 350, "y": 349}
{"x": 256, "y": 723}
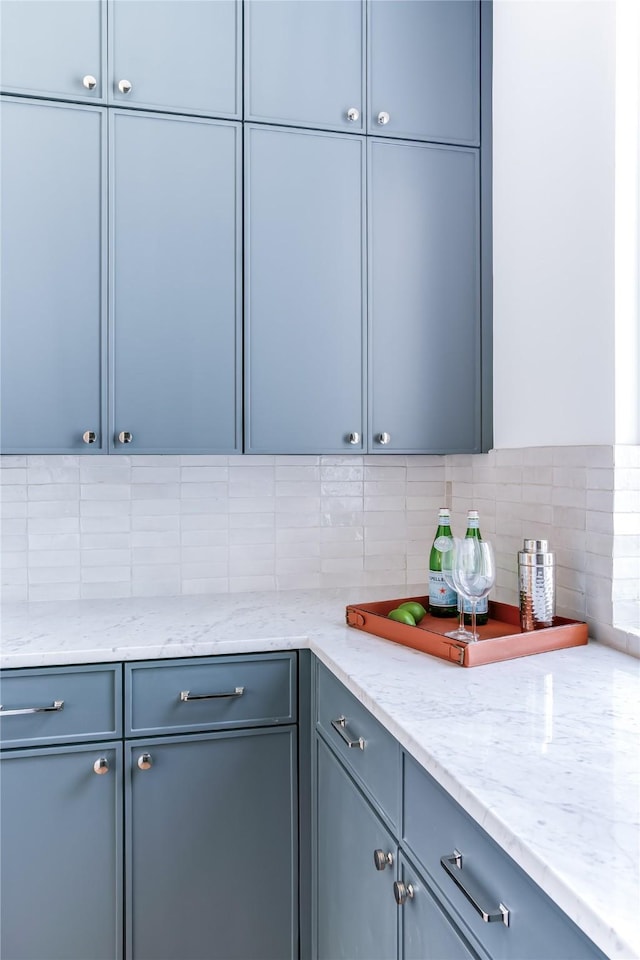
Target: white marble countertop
{"x": 542, "y": 751}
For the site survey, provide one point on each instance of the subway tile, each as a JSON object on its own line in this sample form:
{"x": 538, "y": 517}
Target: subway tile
{"x": 13, "y": 592}
{"x": 105, "y": 591}
{"x": 296, "y": 473}
{"x": 341, "y": 551}
{"x": 288, "y": 566}
{"x": 49, "y": 558}
{"x": 53, "y": 541}
{"x": 383, "y": 578}
{"x": 385, "y": 473}
{"x": 600, "y": 543}
{"x": 252, "y": 505}
{"x": 216, "y": 505}
{"x": 575, "y": 477}
{"x": 155, "y": 475}
{"x": 297, "y": 504}
{"x": 342, "y": 488}
{"x": 252, "y": 460}
{"x": 297, "y": 460}
{"x": 13, "y": 510}
{"x": 244, "y": 584}
{"x": 211, "y": 521}
{"x": 600, "y": 479}
{"x": 238, "y": 521}
{"x": 342, "y": 518}
{"x": 94, "y": 471}
{"x": 204, "y": 553}
{"x": 341, "y": 473}
{"x": 14, "y": 576}
{"x": 204, "y": 460}
{"x": 296, "y": 488}
{"x": 334, "y": 534}
{"x": 105, "y": 491}
{"x": 600, "y": 522}
{"x": 13, "y": 543}
{"x": 384, "y": 460}
{"x": 211, "y": 570}
{"x": 105, "y": 574}
{"x": 16, "y": 477}
{"x": 156, "y": 572}
{"x": 304, "y": 549}
{"x": 51, "y": 461}
{"x": 384, "y": 504}
{"x": 298, "y": 581}
{"x": 626, "y": 524}
{"x": 568, "y": 497}
{"x": 57, "y": 574}
{"x": 600, "y": 500}
{"x": 105, "y": 508}
{"x": 386, "y": 562}
{"x": 204, "y": 538}
{"x": 151, "y": 539}
{"x": 626, "y": 546}
{"x": 13, "y": 493}
{"x": 205, "y": 585}
{"x": 54, "y": 591}
{"x": 14, "y": 526}
{"x": 570, "y": 517}
{"x": 155, "y": 460}
{"x": 351, "y": 578}
{"x": 155, "y": 491}
{"x": 627, "y": 456}
{"x": 627, "y": 589}
{"x": 169, "y": 586}
{"x": 200, "y": 474}
{"x": 13, "y": 462}
{"x": 153, "y": 555}
{"x": 54, "y": 475}
{"x": 52, "y": 491}
{"x": 342, "y": 564}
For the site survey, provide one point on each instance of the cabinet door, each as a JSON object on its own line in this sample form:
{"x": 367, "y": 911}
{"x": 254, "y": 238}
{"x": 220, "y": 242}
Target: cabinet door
{"x": 53, "y": 295}
{"x": 61, "y": 854}
{"x": 212, "y": 850}
{"x": 178, "y": 55}
{"x": 175, "y": 260}
{"x": 355, "y": 908}
{"x": 53, "y": 48}
{"x": 424, "y": 298}
{"x": 424, "y": 69}
{"x": 304, "y": 63}
{"x": 427, "y": 932}
{"x": 304, "y": 269}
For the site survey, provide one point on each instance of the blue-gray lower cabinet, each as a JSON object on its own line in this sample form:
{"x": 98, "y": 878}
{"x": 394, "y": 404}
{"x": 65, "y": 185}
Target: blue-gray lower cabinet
{"x": 175, "y": 226}
{"x": 424, "y": 298}
{"x": 355, "y": 909}
{"x": 304, "y": 291}
{"x": 424, "y": 70}
{"x": 53, "y": 48}
{"x": 61, "y": 853}
{"x": 53, "y": 335}
{"x": 426, "y": 933}
{"x": 212, "y": 846}
{"x": 304, "y": 63}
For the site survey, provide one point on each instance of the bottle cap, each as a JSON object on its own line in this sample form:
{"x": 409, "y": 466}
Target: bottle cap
{"x": 473, "y": 515}
{"x": 536, "y": 546}
{"x": 443, "y": 512}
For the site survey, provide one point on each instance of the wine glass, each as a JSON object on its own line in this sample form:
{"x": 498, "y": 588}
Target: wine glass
{"x": 474, "y": 574}
{"x": 447, "y": 563}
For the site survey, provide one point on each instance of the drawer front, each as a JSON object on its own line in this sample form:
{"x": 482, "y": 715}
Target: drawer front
{"x": 369, "y": 751}
{"x": 209, "y": 693}
{"x": 434, "y": 827}
{"x": 60, "y": 704}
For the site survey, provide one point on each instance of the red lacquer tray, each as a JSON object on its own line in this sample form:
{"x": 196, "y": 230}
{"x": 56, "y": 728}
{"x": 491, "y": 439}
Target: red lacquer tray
{"x": 500, "y": 639}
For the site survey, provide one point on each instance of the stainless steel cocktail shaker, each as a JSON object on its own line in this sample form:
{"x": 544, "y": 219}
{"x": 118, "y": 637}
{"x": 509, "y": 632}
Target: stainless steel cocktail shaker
{"x": 536, "y": 576}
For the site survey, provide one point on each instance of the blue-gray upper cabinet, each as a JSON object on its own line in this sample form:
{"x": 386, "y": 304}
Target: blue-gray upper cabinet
{"x": 53, "y": 48}
{"x": 53, "y": 277}
{"x": 61, "y": 854}
{"x": 424, "y": 70}
{"x": 424, "y": 298}
{"x": 304, "y": 63}
{"x": 304, "y": 291}
{"x": 211, "y": 840}
{"x": 177, "y": 55}
{"x": 175, "y": 226}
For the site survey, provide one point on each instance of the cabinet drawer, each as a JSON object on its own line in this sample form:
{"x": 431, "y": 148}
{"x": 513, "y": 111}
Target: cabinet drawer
{"x": 434, "y": 827}
{"x": 209, "y": 693}
{"x": 60, "y": 704}
{"x": 369, "y": 751}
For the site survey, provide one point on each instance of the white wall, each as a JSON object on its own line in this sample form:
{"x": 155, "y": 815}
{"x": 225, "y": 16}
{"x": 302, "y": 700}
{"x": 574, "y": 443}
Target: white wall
{"x": 553, "y": 210}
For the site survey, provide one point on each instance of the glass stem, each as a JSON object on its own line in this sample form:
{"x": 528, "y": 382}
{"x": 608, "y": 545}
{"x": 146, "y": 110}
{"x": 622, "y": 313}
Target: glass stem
{"x": 461, "y": 629}
{"x": 473, "y": 617}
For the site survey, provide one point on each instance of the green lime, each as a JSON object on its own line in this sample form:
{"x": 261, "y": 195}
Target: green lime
{"x": 402, "y": 616}
{"x": 416, "y": 609}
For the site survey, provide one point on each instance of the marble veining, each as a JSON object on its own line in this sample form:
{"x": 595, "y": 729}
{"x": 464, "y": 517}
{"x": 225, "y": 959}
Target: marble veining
{"x": 541, "y": 751}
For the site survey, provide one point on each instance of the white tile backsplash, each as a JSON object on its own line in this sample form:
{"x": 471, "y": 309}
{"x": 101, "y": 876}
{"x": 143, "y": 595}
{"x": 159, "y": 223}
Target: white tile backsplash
{"x": 157, "y": 525}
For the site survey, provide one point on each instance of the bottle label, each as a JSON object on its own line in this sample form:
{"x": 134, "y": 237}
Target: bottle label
{"x": 440, "y": 595}
{"x": 443, "y": 544}
{"x": 482, "y": 606}
{"x": 473, "y": 523}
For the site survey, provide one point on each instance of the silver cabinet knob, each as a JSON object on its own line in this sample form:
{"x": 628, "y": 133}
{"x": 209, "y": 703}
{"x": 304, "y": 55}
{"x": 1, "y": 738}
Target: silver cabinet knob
{"x": 89, "y": 436}
{"x": 354, "y": 438}
{"x": 124, "y": 86}
{"x": 89, "y": 82}
{"x": 101, "y": 765}
{"x": 382, "y": 859}
{"x": 384, "y": 438}
{"x": 125, "y": 437}
{"x": 402, "y": 892}
{"x": 353, "y": 114}
{"x": 383, "y": 117}
{"x": 144, "y": 761}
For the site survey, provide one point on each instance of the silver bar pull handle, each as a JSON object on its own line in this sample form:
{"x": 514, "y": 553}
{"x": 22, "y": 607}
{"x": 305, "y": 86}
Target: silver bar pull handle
{"x": 56, "y": 705}
{"x": 340, "y": 725}
{"x": 453, "y": 866}
{"x": 187, "y": 697}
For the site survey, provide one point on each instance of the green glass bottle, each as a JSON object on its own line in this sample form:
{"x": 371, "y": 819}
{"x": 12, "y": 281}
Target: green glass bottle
{"x": 443, "y": 601}
{"x": 482, "y": 608}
